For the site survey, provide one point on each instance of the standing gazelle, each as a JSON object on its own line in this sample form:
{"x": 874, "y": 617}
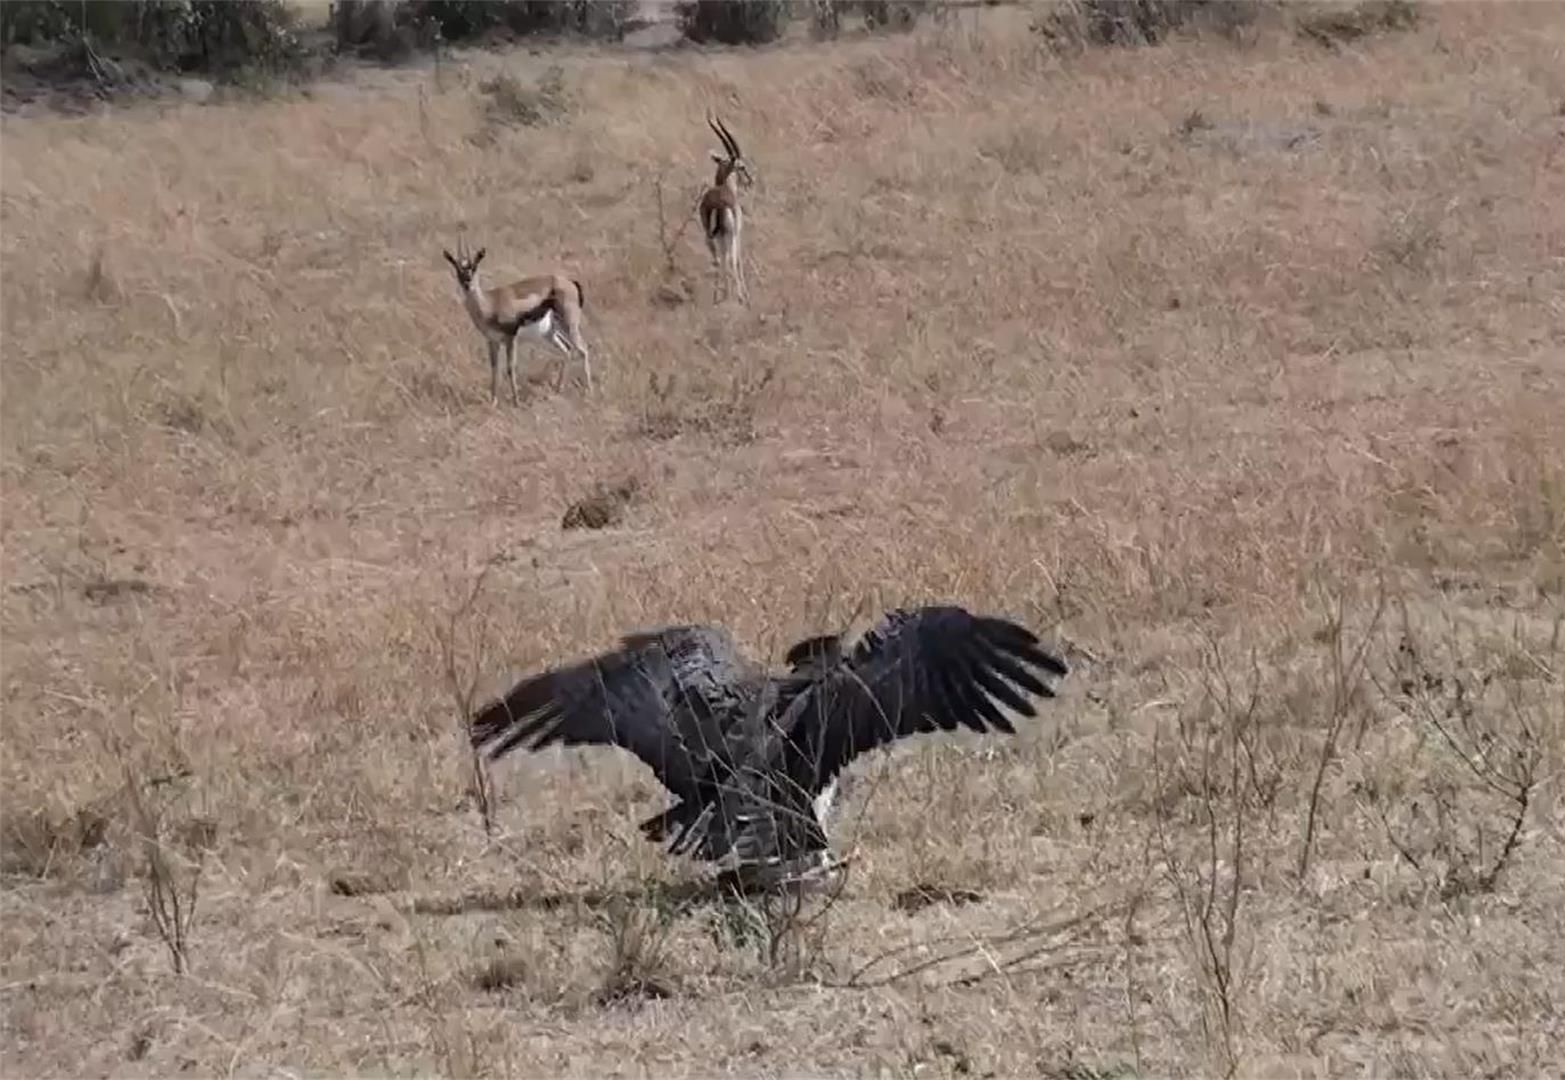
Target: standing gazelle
{"x": 543, "y": 308}
{"x": 721, "y": 218}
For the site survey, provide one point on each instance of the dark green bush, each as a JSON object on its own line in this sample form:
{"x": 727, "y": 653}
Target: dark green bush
{"x": 216, "y": 36}
{"x": 734, "y": 22}
{"x": 829, "y": 17}
{"x": 463, "y": 19}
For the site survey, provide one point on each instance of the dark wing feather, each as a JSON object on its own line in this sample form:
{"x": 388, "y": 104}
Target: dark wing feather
{"x": 666, "y": 696}
{"x": 915, "y": 671}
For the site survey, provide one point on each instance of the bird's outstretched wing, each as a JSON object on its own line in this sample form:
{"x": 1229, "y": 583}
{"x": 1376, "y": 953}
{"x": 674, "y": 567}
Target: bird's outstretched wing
{"x": 666, "y": 696}
{"x": 932, "y": 668}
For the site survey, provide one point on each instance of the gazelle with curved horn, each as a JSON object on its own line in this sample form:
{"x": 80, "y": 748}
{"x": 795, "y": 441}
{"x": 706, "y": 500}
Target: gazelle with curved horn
{"x": 721, "y": 218}
{"x": 547, "y": 307}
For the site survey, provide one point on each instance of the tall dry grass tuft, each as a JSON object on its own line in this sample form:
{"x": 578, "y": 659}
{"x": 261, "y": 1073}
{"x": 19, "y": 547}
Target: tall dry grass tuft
{"x": 1024, "y": 335}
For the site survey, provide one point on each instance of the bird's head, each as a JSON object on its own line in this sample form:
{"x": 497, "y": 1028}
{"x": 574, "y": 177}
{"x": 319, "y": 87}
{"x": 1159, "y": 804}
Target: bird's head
{"x": 815, "y": 652}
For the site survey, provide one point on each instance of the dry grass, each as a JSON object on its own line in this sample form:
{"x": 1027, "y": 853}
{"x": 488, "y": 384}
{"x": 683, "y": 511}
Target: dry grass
{"x": 1258, "y": 414}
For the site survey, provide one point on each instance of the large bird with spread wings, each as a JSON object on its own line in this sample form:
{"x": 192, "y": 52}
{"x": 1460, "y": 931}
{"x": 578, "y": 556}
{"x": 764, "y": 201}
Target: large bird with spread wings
{"x": 753, "y": 756}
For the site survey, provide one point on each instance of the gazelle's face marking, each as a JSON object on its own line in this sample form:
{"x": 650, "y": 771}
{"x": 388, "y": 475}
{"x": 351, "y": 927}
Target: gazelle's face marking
{"x": 466, "y": 268}
{"x": 736, "y": 166}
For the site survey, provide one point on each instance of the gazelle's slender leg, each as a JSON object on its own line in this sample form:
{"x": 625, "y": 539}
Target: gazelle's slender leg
{"x": 571, "y": 345}
{"x": 718, "y": 269}
{"x": 510, "y": 367}
{"x": 558, "y": 339}
{"x": 738, "y": 270}
{"x": 494, "y": 370}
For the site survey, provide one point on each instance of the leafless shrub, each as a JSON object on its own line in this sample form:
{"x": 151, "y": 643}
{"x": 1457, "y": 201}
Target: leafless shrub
{"x": 676, "y": 287}
{"x": 172, "y": 877}
{"x": 463, "y": 679}
{"x": 1347, "y": 666}
{"x": 1213, "y": 760}
{"x": 787, "y": 925}
{"x": 1493, "y": 707}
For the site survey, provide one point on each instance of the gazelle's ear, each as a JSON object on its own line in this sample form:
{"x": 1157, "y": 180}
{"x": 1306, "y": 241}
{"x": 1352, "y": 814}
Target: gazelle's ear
{"x": 450, "y": 259}
{"x": 478, "y": 258}
{"x": 721, "y": 159}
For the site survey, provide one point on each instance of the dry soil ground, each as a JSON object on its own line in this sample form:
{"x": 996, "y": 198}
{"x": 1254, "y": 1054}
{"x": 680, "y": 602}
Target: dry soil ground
{"x": 1237, "y": 368}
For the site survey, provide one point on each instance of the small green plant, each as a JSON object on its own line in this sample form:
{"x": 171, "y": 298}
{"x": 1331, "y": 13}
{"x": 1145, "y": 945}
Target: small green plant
{"x": 513, "y": 103}
{"x": 1330, "y": 26}
{"x": 638, "y": 932}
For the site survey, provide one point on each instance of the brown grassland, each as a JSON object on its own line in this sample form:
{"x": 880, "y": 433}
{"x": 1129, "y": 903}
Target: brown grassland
{"x": 1237, "y": 368}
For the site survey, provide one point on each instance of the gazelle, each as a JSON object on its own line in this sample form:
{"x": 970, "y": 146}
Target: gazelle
{"x": 543, "y": 308}
{"x": 721, "y": 218}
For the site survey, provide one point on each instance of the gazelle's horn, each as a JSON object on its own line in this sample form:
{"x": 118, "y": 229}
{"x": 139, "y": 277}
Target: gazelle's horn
{"x": 733, "y": 143}
{"x": 722, "y": 135}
